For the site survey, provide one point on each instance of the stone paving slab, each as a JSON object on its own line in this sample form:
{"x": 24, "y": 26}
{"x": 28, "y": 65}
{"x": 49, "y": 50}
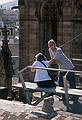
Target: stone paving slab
{"x": 13, "y": 110}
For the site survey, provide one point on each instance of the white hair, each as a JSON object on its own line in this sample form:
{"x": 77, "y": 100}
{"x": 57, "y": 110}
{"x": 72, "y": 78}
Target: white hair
{"x": 51, "y": 41}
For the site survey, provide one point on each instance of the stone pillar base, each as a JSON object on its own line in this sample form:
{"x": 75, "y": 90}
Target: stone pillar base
{"x": 47, "y": 110}
{"x": 48, "y": 105}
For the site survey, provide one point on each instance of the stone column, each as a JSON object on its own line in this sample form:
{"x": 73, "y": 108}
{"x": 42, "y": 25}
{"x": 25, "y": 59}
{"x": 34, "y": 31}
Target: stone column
{"x": 48, "y": 105}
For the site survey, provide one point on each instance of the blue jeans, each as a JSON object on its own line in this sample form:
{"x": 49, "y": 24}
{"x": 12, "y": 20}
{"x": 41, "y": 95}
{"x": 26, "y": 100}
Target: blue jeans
{"x": 70, "y": 77}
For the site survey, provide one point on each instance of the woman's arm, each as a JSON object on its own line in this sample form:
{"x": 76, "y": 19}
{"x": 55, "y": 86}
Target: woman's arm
{"x": 33, "y": 65}
{"x": 33, "y": 69}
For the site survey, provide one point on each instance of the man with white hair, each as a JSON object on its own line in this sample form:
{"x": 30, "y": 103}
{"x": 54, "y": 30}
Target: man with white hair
{"x": 58, "y": 57}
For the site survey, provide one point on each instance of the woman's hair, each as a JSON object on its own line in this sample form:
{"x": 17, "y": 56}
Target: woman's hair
{"x": 40, "y": 57}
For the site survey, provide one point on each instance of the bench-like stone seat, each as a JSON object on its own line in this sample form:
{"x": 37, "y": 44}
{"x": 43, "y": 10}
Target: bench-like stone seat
{"x": 33, "y": 87}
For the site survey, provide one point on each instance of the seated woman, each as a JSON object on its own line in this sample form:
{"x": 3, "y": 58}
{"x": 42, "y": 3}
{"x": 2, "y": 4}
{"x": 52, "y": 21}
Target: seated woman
{"x": 42, "y": 77}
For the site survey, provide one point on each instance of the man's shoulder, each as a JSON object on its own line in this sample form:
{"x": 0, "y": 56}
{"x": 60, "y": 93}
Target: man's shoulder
{"x": 58, "y": 49}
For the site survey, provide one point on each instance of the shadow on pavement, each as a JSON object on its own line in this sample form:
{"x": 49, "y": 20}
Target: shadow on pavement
{"x": 76, "y": 107}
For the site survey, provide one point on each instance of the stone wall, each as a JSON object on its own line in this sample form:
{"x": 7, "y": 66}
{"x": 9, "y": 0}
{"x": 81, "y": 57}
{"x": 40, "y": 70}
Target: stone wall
{"x": 34, "y": 33}
{"x": 29, "y": 43}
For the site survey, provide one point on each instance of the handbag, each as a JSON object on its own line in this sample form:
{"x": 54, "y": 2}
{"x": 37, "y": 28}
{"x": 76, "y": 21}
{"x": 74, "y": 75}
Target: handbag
{"x": 50, "y": 75}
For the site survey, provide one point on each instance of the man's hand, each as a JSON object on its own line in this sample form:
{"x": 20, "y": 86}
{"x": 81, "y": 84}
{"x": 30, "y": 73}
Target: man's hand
{"x": 52, "y": 62}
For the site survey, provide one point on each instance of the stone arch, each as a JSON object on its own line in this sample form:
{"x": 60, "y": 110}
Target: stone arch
{"x": 58, "y": 4}
{"x": 48, "y": 20}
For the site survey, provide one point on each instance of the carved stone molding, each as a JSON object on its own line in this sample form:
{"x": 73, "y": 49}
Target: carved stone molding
{"x": 49, "y": 9}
